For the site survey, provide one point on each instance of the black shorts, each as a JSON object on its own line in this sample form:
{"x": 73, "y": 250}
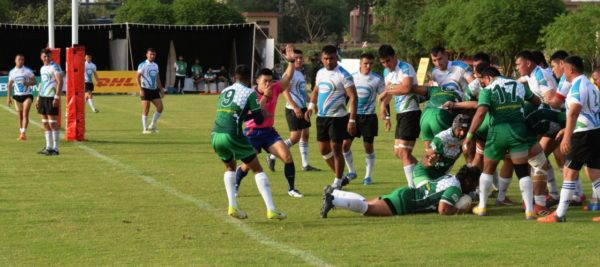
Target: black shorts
{"x": 295, "y": 124}
{"x": 89, "y": 87}
{"x": 150, "y": 94}
{"x": 332, "y": 128}
{"x": 45, "y": 106}
{"x": 408, "y": 127}
{"x": 366, "y": 125}
{"x": 22, "y": 98}
{"x": 584, "y": 150}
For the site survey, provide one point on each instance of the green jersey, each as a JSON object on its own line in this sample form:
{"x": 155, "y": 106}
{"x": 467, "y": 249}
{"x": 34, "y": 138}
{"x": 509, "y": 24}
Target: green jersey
{"x": 196, "y": 71}
{"x": 234, "y": 103}
{"x": 505, "y": 99}
{"x": 448, "y": 149}
{"x": 180, "y": 68}
{"x": 438, "y": 95}
{"x": 425, "y": 198}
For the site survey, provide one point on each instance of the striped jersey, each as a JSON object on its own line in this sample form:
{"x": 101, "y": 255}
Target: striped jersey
{"x": 48, "y": 87}
{"x": 408, "y": 102}
{"x": 90, "y": 68}
{"x": 584, "y": 93}
{"x": 540, "y": 82}
{"x": 332, "y": 86}
{"x": 368, "y": 86}
{"x": 149, "y": 71}
{"x": 19, "y": 76}
{"x": 297, "y": 90}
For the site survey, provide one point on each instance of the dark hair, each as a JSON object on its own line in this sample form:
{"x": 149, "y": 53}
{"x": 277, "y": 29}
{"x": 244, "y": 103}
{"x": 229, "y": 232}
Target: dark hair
{"x": 298, "y": 51}
{"x": 576, "y": 62}
{"x": 437, "y": 49}
{"x": 19, "y": 55}
{"x": 46, "y": 51}
{"x": 368, "y": 56}
{"x": 242, "y": 72}
{"x": 559, "y": 55}
{"x": 539, "y": 58}
{"x": 481, "y": 56}
{"x": 329, "y": 50}
{"x": 482, "y": 66}
{"x": 525, "y": 55}
{"x": 150, "y": 49}
{"x": 490, "y": 71}
{"x": 266, "y": 72}
{"x": 468, "y": 178}
{"x": 386, "y": 51}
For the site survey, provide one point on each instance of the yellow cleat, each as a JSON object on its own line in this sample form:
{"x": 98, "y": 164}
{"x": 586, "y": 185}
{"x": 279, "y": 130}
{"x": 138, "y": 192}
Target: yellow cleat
{"x": 479, "y": 211}
{"x": 236, "y": 213}
{"x": 530, "y": 215}
{"x": 275, "y": 214}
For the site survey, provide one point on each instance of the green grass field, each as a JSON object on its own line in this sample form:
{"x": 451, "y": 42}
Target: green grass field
{"x": 123, "y": 198}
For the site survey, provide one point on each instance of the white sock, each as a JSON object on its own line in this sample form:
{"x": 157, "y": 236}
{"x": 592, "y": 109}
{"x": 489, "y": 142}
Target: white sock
{"x": 408, "y": 172}
{"x": 229, "y": 179}
{"x": 486, "y": 181}
{"x": 349, "y": 158}
{"x": 288, "y": 142}
{"x": 91, "y": 103}
{"x": 272, "y": 157}
{"x": 495, "y": 180}
{"x": 503, "y": 184}
{"x": 337, "y": 183}
{"x": 55, "y": 139}
{"x": 540, "y": 200}
{"x": 303, "y": 146}
{"x": 370, "y": 159}
{"x": 526, "y": 186}
{"x": 155, "y": 118}
{"x": 49, "y": 140}
{"x": 22, "y": 130}
{"x": 566, "y": 193}
{"x": 552, "y": 188}
{"x": 350, "y": 201}
{"x": 262, "y": 182}
{"x": 145, "y": 122}
{"x": 579, "y": 188}
{"x": 596, "y": 187}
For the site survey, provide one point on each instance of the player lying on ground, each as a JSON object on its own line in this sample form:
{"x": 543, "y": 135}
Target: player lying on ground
{"x": 447, "y": 195}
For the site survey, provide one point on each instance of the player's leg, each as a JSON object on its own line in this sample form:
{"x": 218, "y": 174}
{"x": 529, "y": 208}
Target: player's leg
{"x": 403, "y": 151}
{"x": 158, "y": 104}
{"x": 369, "y": 159}
{"x": 539, "y": 173}
{"x": 353, "y": 202}
{"x": 19, "y": 107}
{"x": 47, "y": 134}
{"x": 520, "y": 160}
{"x": 338, "y": 160}
{"x": 145, "y": 111}
{"x": 324, "y": 141}
{"x": 89, "y": 89}
{"x": 25, "y": 121}
{"x": 280, "y": 150}
{"x": 592, "y": 170}
{"x": 504, "y": 180}
{"x": 55, "y": 131}
{"x": 549, "y": 144}
{"x": 262, "y": 182}
{"x": 224, "y": 146}
{"x": 407, "y": 131}
{"x": 486, "y": 183}
{"x": 303, "y": 147}
{"x": 349, "y": 158}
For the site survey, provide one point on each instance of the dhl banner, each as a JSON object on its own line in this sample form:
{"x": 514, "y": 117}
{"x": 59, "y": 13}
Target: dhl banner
{"x": 116, "y": 82}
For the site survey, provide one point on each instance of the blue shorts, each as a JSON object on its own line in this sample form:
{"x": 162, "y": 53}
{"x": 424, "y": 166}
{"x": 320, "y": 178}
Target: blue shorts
{"x": 262, "y": 138}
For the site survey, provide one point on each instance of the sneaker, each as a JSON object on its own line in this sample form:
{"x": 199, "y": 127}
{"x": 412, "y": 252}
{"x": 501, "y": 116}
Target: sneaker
{"x": 236, "y": 213}
{"x": 505, "y": 202}
{"x": 351, "y": 176}
{"x": 552, "y": 218}
{"x": 22, "y": 137}
{"x": 146, "y": 131}
{"x": 309, "y": 168}
{"x": 577, "y": 200}
{"x": 345, "y": 181}
{"x": 530, "y": 215}
{"x": 327, "y": 201}
{"x": 275, "y": 214}
{"x": 152, "y": 128}
{"x": 295, "y": 193}
{"x": 593, "y": 207}
{"x": 541, "y": 210}
{"x": 270, "y": 163}
{"x": 44, "y": 151}
{"x": 479, "y": 211}
{"x": 96, "y": 110}
{"x": 367, "y": 181}
{"x": 551, "y": 201}
{"x": 596, "y": 219}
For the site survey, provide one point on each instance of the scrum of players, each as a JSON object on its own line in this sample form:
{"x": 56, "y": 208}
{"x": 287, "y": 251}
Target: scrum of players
{"x": 465, "y": 110}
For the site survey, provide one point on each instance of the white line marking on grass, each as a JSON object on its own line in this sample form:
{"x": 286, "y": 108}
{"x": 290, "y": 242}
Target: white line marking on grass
{"x": 220, "y": 214}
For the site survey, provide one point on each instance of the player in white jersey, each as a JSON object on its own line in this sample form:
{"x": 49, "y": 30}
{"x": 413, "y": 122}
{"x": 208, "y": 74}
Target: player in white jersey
{"x": 48, "y": 101}
{"x": 447, "y": 72}
{"x": 333, "y": 87}
{"x": 295, "y": 108}
{"x": 368, "y": 86}
{"x": 90, "y": 70}
{"x": 400, "y": 77}
{"x": 20, "y": 81}
{"x": 581, "y": 136}
{"x": 151, "y": 90}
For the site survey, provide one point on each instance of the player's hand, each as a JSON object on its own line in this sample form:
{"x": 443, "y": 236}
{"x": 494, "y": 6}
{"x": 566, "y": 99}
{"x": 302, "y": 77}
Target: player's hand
{"x": 560, "y": 134}
{"x": 289, "y": 53}
{"x": 37, "y": 104}
{"x": 142, "y": 94}
{"x": 298, "y": 112}
{"x": 162, "y": 93}
{"x": 565, "y": 146}
{"x": 448, "y": 105}
{"x": 352, "y": 128}
{"x": 383, "y": 96}
{"x": 307, "y": 114}
{"x": 55, "y": 102}
{"x": 466, "y": 144}
{"x": 388, "y": 125}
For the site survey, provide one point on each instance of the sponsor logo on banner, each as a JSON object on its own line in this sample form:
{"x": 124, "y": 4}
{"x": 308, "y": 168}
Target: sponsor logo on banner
{"x": 117, "y": 82}
{"x": 4, "y": 85}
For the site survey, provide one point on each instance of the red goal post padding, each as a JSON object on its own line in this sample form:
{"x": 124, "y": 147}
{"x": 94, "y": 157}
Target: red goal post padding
{"x": 75, "y": 130}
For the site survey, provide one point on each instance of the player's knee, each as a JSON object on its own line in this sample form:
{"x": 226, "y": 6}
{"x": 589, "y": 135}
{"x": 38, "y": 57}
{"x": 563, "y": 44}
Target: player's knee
{"x": 522, "y": 170}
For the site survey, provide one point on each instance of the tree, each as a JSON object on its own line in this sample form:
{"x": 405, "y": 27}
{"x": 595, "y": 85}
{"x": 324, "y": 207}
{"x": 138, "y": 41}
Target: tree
{"x": 145, "y": 11}
{"x": 4, "y": 10}
{"x": 430, "y": 28}
{"x": 38, "y": 14}
{"x": 577, "y": 32}
{"x": 255, "y": 5}
{"x": 191, "y": 12}
{"x": 317, "y": 20}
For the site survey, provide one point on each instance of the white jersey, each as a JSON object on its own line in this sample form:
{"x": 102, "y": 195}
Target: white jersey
{"x": 48, "y": 87}
{"x": 408, "y": 102}
{"x": 297, "y": 90}
{"x": 332, "y": 86}
{"x": 473, "y": 89}
{"x": 563, "y": 87}
{"x": 149, "y": 71}
{"x": 90, "y": 68}
{"x": 540, "y": 82}
{"x": 367, "y": 88}
{"x": 457, "y": 75}
{"x": 584, "y": 93}
{"x": 19, "y": 76}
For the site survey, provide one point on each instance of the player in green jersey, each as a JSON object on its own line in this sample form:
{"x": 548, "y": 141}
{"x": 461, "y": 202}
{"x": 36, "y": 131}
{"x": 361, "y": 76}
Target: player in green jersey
{"x": 231, "y": 145}
{"x": 503, "y": 99}
{"x": 446, "y": 195}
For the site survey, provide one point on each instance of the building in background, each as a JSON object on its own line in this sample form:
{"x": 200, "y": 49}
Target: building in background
{"x": 267, "y": 21}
